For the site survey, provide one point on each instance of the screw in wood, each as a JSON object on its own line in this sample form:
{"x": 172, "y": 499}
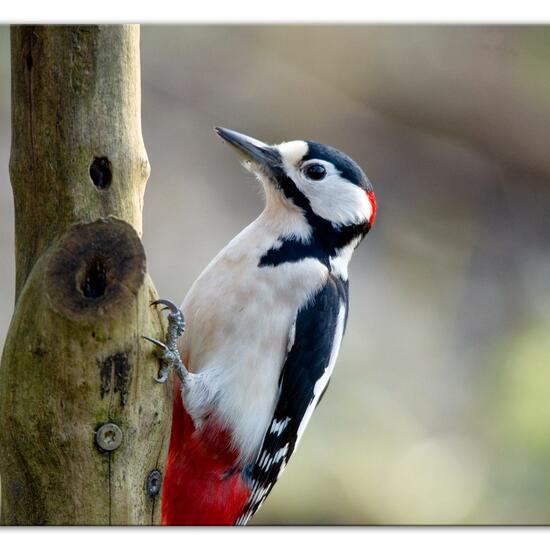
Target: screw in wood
{"x": 109, "y": 437}
{"x": 154, "y": 483}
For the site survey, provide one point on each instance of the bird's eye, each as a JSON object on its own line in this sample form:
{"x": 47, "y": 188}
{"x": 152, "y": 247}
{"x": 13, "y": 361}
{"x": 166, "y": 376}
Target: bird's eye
{"x": 316, "y": 172}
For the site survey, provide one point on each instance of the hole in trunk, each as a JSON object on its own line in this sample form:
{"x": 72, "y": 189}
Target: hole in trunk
{"x": 101, "y": 173}
{"x": 94, "y": 282}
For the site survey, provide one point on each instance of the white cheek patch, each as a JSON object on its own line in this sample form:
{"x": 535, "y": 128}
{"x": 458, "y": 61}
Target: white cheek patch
{"x": 333, "y": 198}
{"x": 292, "y": 152}
{"x": 337, "y": 200}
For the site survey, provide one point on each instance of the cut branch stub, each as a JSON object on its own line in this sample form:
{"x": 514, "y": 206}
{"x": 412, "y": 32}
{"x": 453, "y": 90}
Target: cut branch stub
{"x": 96, "y": 269}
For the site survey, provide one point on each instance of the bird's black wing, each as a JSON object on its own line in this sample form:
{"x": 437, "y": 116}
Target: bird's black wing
{"x": 305, "y": 374}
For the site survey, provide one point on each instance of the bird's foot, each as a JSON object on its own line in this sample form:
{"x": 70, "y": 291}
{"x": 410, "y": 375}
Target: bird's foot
{"x": 168, "y": 351}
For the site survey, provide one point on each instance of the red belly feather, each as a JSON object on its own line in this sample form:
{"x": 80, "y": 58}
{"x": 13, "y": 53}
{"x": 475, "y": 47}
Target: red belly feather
{"x": 198, "y": 489}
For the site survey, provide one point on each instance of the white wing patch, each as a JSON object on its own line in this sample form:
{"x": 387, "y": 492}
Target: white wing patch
{"x": 278, "y": 426}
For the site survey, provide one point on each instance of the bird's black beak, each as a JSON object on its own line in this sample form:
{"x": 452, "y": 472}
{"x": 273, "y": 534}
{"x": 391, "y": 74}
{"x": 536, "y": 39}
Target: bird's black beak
{"x": 253, "y": 150}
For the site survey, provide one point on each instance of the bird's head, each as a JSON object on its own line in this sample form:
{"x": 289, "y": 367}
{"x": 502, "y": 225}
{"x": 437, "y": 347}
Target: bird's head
{"x": 328, "y": 187}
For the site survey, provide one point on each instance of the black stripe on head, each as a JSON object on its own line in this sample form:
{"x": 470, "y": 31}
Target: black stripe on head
{"x": 326, "y": 238}
{"x": 325, "y": 241}
{"x": 347, "y": 167}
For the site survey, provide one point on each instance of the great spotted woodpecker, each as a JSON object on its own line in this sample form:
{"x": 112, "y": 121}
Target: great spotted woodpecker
{"x": 265, "y": 321}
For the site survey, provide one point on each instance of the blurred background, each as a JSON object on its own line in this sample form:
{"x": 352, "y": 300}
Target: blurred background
{"x": 439, "y": 408}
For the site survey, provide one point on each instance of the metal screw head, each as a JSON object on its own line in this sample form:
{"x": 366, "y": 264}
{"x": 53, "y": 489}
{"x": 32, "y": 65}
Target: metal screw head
{"x": 154, "y": 483}
{"x": 109, "y": 437}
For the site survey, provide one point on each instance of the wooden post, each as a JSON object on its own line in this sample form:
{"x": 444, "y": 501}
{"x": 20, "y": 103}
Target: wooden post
{"x": 83, "y": 425}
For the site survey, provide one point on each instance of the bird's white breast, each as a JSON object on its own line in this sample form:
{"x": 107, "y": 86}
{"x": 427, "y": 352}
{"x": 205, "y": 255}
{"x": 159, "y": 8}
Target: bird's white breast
{"x": 239, "y": 319}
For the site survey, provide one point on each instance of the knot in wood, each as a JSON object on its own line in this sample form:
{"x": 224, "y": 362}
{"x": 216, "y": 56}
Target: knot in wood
{"x": 96, "y": 270}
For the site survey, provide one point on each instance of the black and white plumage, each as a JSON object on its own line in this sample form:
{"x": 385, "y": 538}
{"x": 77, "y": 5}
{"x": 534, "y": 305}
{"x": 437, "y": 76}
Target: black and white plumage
{"x": 267, "y": 316}
{"x": 306, "y": 372}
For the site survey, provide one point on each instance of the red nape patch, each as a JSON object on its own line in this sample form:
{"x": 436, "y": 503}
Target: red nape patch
{"x": 372, "y": 200}
{"x": 198, "y": 490}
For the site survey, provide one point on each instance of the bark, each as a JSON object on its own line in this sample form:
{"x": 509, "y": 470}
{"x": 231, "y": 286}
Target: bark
{"x": 74, "y": 359}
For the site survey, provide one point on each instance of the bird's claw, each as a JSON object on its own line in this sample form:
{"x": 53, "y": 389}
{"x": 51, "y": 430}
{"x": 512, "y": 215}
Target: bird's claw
{"x": 169, "y": 354}
{"x": 164, "y": 373}
{"x": 175, "y": 317}
{"x": 156, "y": 342}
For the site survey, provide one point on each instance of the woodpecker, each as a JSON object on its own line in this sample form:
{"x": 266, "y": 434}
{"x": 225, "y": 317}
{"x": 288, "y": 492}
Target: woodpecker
{"x": 265, "y": 321}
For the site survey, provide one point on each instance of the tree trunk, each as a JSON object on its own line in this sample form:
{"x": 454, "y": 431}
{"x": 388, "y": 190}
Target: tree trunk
{"x": 83, "y": 425}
